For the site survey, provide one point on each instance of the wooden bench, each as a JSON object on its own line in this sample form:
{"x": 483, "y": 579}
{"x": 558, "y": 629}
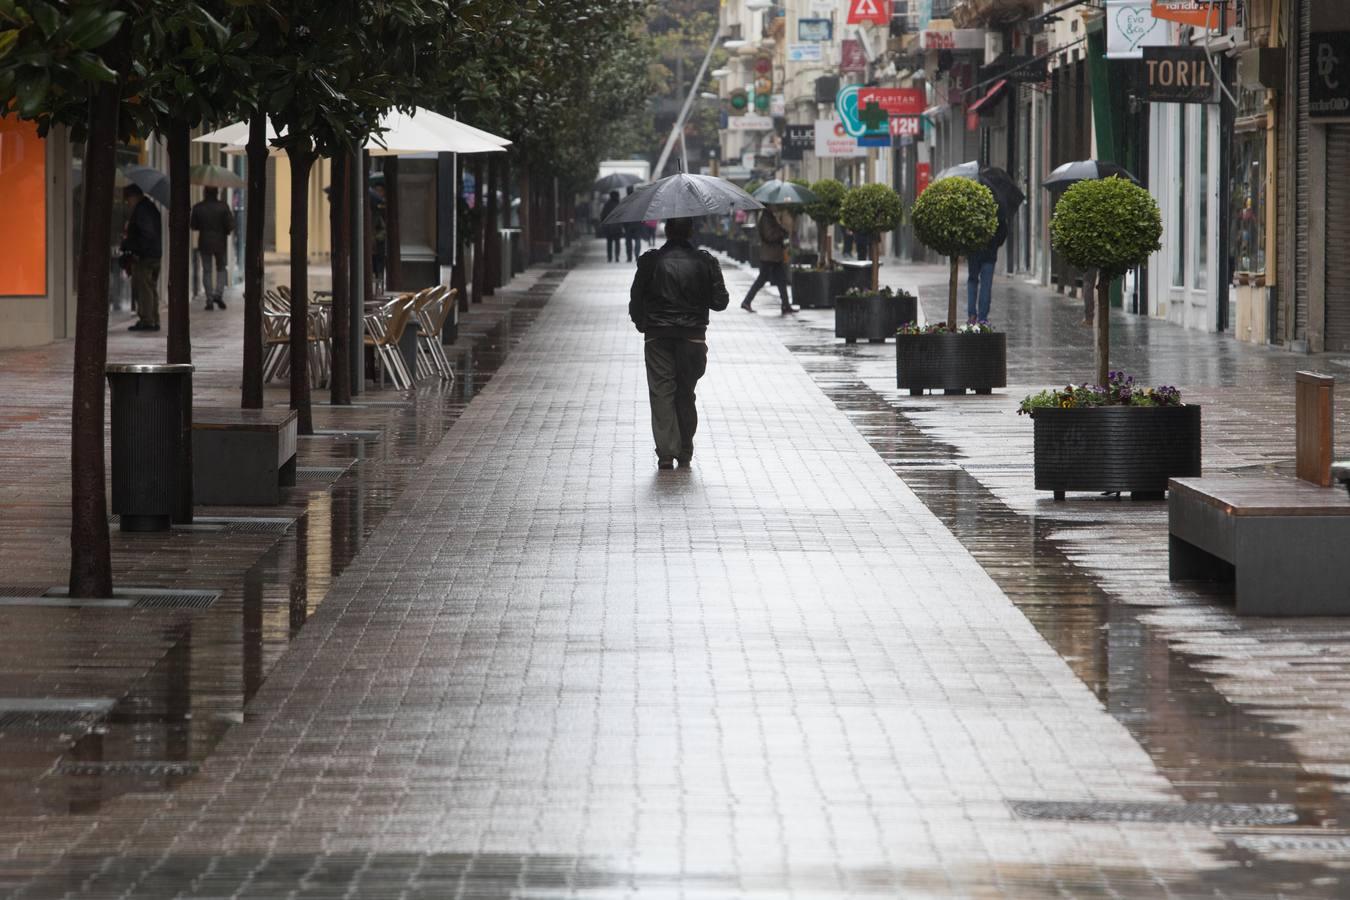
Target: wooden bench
{"x": 242, "y": 457}
{"x": 1280, "y": 540}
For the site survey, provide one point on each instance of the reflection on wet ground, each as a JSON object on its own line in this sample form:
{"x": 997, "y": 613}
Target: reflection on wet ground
{"x": 208, "y": 663}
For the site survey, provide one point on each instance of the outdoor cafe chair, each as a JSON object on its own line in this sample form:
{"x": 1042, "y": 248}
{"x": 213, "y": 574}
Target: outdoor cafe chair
{"x": 432, "y": 316}
{"x": 384, "y": 331}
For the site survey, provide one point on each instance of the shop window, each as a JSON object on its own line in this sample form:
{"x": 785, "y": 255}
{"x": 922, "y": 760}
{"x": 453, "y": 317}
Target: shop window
{"x": 1247, "y": 197}
{"x": 23, "y": 227}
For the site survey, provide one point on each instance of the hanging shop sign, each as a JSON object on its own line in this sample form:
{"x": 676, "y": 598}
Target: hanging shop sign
{"x": 851, "y": 56}
{"x": 1017, "y": 69}
{"x": 1329, "y": 80}
{"x": 750, "y": 122}
{"x": 878, "y": 12}
{"x": 923, "y": 176}
{"x": 896, "y": 101}
{"x": 815, "y": 30}
{"x": 1131, "y": 26}
{"x": 1208, "y": 14}
{"x": 906, "y": 126}
{"x": 833, "y": 142}
{"x": 805, "y": 53}
{"x": 1178, "y": 75}
{"x": 952, "y": 39}
{"x": 797, "y": 139}
{"x": 867, "y": 122}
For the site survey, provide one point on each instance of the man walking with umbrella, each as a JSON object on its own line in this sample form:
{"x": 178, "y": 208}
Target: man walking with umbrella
{"x": 674, "y": 289}
{"x": 609, "y": 231}
{"x": 772, "y": 237}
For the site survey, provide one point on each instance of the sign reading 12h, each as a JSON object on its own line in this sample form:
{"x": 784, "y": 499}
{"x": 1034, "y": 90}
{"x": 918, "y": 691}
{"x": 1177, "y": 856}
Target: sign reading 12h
{"x": 869, "y": 123}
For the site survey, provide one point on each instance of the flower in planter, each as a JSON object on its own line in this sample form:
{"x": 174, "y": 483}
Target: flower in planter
{"x": 1119, "y": 390}
{"x": 873, "y": 210}
{"x": 955, "y": 217}
{"x": 980, "y": 327}
{"x": 886, "y": 293}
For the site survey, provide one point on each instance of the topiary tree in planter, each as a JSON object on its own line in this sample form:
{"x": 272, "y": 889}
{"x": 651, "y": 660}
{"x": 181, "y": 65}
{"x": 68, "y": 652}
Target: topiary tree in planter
{"x": 1111, "y": 225}
{"x": 955, "y": 217}
{"x": 872, "y": 209}
{"x": 825, "y": 212}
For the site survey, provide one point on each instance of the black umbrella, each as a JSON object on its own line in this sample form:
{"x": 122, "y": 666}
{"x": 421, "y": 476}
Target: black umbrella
{"x": 152, "y": 182}
{"x": 615, "y": 181}
{"x": 1006, "y": 192}
{"x": 682, "y": 196}
{"x": 1084, "y": 170}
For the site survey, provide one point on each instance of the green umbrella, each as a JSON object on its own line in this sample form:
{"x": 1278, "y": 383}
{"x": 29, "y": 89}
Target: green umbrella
{"x": 215, "y": 176}
{"x": 783, "y": 193}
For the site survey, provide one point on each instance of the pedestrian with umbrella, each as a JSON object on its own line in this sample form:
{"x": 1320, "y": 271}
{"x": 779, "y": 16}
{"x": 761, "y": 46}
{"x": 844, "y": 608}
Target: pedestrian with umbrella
{"x": 982, "y": 263}
{"x": 632, "y": 236}
{"x": 213, "y": 220}
{"x": 1065, "y": 177}
{"x": 611, "y": 233}
{"x": 675, "y": 288}
{"x": 772, "y": 234}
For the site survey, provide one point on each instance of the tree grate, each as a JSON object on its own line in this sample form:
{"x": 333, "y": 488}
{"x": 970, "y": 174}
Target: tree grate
{"x": 319, "y": 473}
{"x": 1180, "y": 813}
{"x": 1336, "y": 843}
{"x": 156, "y": 768}
{"x": 249, "y": 524}
{"x": 51, "y": 715}
{"x": 138, "y": 598}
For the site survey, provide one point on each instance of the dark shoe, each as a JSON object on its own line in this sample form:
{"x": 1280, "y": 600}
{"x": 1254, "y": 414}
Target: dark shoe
{"x": 685, "y": 461}
{"x": 138, "y": 326}
{"x": 788, "y": 310}
{"x": 209, "y": 307}
{"x": 747, "y": 307}
{"x": 220, "y": 303}
{"x": 665, "y": 464}
{"x": 152, "y": 328}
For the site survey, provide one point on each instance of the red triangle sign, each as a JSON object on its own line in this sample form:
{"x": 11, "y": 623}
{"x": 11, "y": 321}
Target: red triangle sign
{"x": 877, "y": 11}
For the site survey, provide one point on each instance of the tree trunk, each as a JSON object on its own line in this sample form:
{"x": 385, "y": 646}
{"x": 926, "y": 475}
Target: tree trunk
{"x": 340, "y": 191}
{"x": 876, "y": 263}
{"x": 953, "y": 285}
{"x": 492, "y": 233}
{"x": 1103, "y": 328}
{"x": 301, "y": 158}
{"x": 254, "y": 224}
{"x": 179, "y": 139}
{"x": 479, "y": 243}
{"x": 393, "y": 230}
{"x": 90, "y": 549}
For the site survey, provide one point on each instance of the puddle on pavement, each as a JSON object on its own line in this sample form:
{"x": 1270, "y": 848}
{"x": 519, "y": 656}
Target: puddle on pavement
{"x": 218, "y": 660}
{"x": 1210, "y": 749}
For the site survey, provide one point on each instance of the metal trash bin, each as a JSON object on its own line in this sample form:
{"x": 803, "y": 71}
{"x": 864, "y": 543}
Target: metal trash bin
{"x": 149, "y": 441}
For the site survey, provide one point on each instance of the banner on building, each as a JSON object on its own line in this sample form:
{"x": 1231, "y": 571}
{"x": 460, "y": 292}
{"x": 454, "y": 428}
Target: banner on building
{"x": 1329, "y": 80}
{"x": 750, "y": 122}
{"x": 895, "y": 101}
{"x": 833, "y": 142}
{"x": 867, "y": 122}
{"x": 815, "y": 30}
{"x": 1209, "y": 14}
{"x": 797, "y": 139}
{"x": 1178, "y": 75}
{"x": 804, "y": 53}
{"x": 1131, "y": 26}
{"x": 952, "y": 39}
{"x": 878, "y": 12}
{"x": 851, "y": 56}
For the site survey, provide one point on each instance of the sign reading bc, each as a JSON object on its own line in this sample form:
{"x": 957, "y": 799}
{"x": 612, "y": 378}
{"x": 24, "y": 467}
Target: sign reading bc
{"x": 1329, "y": 81}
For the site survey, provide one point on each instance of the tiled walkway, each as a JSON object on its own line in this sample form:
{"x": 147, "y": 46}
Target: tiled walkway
{"x": 554, "y": 671}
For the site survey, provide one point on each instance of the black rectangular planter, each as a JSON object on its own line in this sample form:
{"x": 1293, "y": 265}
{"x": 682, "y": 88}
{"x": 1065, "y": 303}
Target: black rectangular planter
{"x": 873, "y": 317}
{"x": 856, "y": 275}
{"x": 951, "y": 362}
{"x": 812, "y": 289}
{"x": 1116, "y": 448}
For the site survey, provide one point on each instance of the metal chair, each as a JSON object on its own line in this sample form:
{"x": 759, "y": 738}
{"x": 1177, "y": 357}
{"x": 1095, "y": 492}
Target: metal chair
{"x": 384, "y": 331}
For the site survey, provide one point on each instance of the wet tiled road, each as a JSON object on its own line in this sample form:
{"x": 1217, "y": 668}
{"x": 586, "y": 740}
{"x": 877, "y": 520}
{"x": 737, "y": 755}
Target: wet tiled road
{"x": 550, "y": 670}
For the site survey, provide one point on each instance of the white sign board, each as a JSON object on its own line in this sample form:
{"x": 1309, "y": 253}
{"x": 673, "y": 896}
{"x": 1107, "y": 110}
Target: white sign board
{"x": 750, "y": 122}
{"x": 952, "y": 39}
{"x": 833, "y": 142}
{"x": 805, "y": 53}
{"x": 1130, "y": 27}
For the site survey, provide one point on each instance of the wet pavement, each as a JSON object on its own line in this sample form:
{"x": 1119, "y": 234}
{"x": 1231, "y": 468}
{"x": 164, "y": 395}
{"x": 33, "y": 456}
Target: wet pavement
{"x": 488, "y": 651}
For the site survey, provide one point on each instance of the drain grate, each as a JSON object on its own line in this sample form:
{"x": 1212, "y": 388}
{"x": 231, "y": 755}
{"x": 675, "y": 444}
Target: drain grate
{"x": 248, "y": 524}
{"x": 1180, "y": 813}
{"x": 22, "y": 714}
{"x": 364, "y": 434}
{"x": 319, "y": 473}
{"x": 1337, "y": 843}
{"x": 141, "y": 598}
{"x": 156, "y": 768}
{"x": 178, "y": 600}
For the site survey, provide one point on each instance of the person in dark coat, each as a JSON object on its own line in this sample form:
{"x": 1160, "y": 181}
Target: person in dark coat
{"x": 213, "y": 220}
{"x": 142, "y": 250}
{"x": 675, "y": 287}
{"x": 611, "y": 233}
{"x": 632, "y": 237}
{"x": 980, "y": 280}
{"x": 772, "y": 238}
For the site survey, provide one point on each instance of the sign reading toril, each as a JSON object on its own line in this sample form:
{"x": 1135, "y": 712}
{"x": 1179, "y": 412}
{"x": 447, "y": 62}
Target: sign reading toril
{"x": 1178, "y": 75}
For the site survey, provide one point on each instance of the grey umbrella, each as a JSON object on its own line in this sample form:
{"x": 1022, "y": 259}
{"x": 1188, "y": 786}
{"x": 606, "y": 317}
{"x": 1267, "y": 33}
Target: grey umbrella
{"x": 1084, "y": 170}
{"x": 1006, "y": 192}
{"x": 682, "y": 196}
{"x": 779, "y": 193}
{"x": 969, "y": 170}
{"x": 153, "y": 182}
{"x": 616, "y": 181}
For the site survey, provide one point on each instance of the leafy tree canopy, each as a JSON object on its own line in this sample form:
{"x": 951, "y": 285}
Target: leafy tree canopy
{"x": 955, "y": 216}
{"x": 1112, "y": 225}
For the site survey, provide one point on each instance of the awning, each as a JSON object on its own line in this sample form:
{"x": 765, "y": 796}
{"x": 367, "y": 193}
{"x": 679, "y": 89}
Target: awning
{"x": 992, "y": 96}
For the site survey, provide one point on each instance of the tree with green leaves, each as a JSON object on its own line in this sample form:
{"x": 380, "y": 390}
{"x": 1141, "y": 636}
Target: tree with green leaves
{"x": 825, "y": 213}
{"x": 955, "y": 217}
{"x": 872, "y": 210}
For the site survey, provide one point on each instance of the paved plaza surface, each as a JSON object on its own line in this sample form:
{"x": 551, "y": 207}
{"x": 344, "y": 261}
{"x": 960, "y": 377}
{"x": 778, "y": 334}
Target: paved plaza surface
{"x": 847, "y": 653}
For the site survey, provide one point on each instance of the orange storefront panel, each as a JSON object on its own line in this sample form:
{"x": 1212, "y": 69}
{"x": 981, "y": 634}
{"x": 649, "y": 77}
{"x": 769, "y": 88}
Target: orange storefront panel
{"x": 23, "y": 221}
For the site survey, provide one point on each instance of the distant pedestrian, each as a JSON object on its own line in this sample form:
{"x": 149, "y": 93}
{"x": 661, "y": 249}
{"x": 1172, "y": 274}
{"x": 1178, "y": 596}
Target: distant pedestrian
{"x": 142, "y": 250}
{"x": 980, "y": 280}
{"x": 632, "y": 236}
{"x": 772, "y": 236}
{"x": 650, "y": 229}
{"x": 610, "y": 232}
{"x": 379, "y": 230}
{"x": 675, "y": 287}
{"x": 213, "y": 220}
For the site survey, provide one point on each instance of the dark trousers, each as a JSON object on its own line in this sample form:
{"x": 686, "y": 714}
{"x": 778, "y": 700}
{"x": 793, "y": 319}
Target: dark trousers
{"x": 674, "y": 366}
{"x": 612, "y": 248}
{"x": 145, "y": 290}
{"x": 213, "y": 272}
{"x": 632, "y": 244}
{"x": 775, "y": 272}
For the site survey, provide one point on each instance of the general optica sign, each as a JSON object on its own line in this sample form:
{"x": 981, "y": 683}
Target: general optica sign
{"x": 833, "y": 142}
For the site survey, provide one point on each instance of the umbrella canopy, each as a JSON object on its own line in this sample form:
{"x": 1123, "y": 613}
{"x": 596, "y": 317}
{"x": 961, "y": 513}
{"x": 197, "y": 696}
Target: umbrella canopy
{"x": 969, "y": 170}
{"x": 421, "y": 131}
{"x": 1006, "y": 192}
{"x": 1084, "y": 170}
{"x": 215, "y": 176}
{"x": 153, "y": 182}
{"x": 682, "y": 196}
{"x": 782, "y": 193}
{"x": 615, "y": 181}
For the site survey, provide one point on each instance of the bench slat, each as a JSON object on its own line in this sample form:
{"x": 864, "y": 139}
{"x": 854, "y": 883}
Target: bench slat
{"x": 1268, "y": 495}
{"x": 225, "y": 418}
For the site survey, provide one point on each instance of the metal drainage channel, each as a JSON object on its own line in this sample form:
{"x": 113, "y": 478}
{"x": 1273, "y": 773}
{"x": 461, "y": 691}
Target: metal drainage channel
{"x": 1214, "y": 814}
{"x": 22, "y": 714}
{"x": 122, "y": 598}
{"x": 155, "y": 768}
{"x": 320, "y": 473}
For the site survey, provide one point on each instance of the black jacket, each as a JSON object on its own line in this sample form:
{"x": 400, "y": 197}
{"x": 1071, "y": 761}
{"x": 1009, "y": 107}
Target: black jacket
{"x": 213, "y": 220}
{"x": 674, "y": 289}
{"x": 609, "y": 231}
{"x": 144, "y": 238}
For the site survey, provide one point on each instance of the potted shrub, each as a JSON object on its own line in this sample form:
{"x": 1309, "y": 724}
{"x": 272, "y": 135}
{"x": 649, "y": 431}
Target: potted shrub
{"x": 954, "y": 217}
{"x": 1114, "y": 435}
{"x": 872, "y": 210}
{"x": 817, "y": 286}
